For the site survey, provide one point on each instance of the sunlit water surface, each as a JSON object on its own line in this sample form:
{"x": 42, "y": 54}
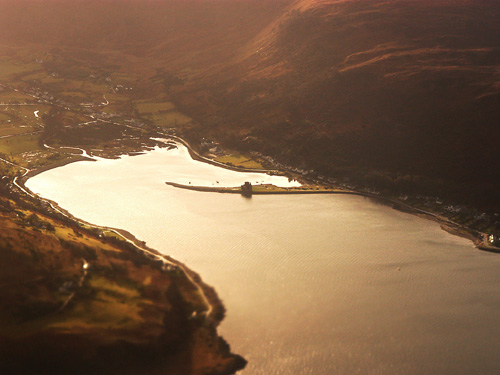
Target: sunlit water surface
{"x": 323, "y": 284}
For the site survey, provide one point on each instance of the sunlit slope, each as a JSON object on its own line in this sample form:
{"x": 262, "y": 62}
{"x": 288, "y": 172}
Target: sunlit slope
{"x": 78, "y": 300}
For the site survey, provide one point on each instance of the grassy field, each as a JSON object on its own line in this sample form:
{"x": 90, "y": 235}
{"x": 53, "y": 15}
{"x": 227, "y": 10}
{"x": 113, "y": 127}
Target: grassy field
{"x": 7, "y": 130}
{"x": 120, "y": 296}
{"x": 161, "y": 113}
{"x": 19, "y": 144}
{"x": 122, "y": 78}
{"x": 114, "y": 108}
{"x": 8, "y": 169}
{"x": 76, "y": 93}
{"x": 70, "y": 87}
{"x": 10, "y": 68}
{"x": 169, "y": 119}
{"x": 115, "y": 97}
{"x": 42, "y": 77}
{"x": 152, "y": 107}
{"x": 8, "y": 96}
{"x": 25, "y": 115}
{"x": 67, "y": 84}
{"x": 39, "y": 75}
{"x": 91, "y": 88}
{"x": 240, "y": 160}
{"x": 114, "y": 304}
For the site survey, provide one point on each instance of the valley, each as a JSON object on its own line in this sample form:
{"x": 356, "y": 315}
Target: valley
{"x": 395, "y": 101}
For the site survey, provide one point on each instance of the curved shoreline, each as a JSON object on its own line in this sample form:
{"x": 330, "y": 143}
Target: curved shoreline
{"x": 62, "y": 163}
{"x": 214, "y": 303}
{"x": 213, "y": 311}
{"x": 478, "y": 238}
{"x": 196, "y": 156}
{"x": 148, "y": 335}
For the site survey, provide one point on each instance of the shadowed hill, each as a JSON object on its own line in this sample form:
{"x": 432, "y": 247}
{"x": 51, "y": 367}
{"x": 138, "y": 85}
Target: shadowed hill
{"x": 195, "y": 33}
{"x": 371, "y": 91}
{"x": 352, "y": 87}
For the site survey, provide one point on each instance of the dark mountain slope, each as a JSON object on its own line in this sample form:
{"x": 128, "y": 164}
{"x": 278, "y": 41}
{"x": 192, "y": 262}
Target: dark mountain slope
{"x": 370, "y": 90}
{"x": 192, "y": 33}
{"x": 345, "y": 87}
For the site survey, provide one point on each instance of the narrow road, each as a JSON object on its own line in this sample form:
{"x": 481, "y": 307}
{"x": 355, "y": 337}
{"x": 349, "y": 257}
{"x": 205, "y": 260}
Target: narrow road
{"x": 17, "y": 104}
{"x": 84, "y": 152}
{"x": 14, "y": 181}
{"x": 22, "y": 134}
{"x": 148, "y": 253}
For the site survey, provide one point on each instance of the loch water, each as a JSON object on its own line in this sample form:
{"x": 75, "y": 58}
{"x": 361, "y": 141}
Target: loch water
{"x": 312, "y": 284}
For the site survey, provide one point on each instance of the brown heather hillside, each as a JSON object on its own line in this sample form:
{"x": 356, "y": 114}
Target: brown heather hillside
{"x": 181, "y": 34}
{"x": 401, "y": 96}
{"x": 373, "y": 91}
{"x": 119, "y": 314}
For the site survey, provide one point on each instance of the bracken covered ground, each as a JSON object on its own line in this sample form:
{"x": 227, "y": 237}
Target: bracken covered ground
{"x": 76, "y": 302}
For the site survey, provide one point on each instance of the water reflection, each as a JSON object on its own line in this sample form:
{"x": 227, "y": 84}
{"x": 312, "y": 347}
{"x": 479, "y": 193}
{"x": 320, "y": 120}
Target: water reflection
{"x": 312, "y": 284}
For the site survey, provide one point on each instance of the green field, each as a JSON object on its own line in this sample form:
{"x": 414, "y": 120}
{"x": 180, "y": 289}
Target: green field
{"x": 8, "y": 169}
{"x": 10, "y": 68}
{"x": 161, "y": 113}
{"x": 8, "y": 96}
{"x": 74, "y": 95}
{"x": 152, "y": 107}
{"x": 10, "y": 130}
{"x": 72, "y": 84}
{"x": 122, "y": 78}
{"x": 113, "y": 108}
{"x": 115, "y": 97}
{"x": 169, "y": 119}
{"x": 39, "y": 75}
{"x": 92, "y": 88}
{"x": 23, "y": 116}
{"x": 64, "y": 85}
{"x": 18, "y": 144}
{"x": 240, "y": 160}
{"x": 43, "y": 78}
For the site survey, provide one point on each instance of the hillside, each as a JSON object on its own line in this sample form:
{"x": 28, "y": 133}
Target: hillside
{"x": 399, "y": 94}
{"x": 189, "y": 35}
{"x": 75, "y": 300}
{"x": 398, "y": 97}
{"x": 371, "y": 91}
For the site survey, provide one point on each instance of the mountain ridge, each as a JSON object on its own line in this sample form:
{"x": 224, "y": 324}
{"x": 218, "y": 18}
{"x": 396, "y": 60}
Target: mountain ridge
{"x": 347, "y": 88}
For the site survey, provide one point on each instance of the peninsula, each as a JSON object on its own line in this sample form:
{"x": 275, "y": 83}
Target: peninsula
{"x": 83, "y": 299}
{"x": 396, "y": 101}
